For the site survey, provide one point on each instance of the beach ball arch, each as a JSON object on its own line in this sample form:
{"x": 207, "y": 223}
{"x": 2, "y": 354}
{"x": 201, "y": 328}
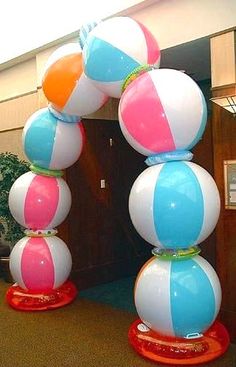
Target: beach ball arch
{"x": 174, "y": 204}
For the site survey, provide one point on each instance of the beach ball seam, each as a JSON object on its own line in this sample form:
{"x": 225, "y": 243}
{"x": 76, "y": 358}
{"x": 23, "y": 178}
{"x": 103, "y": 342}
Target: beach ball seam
{"x": 73, "y": 145}
{"x": 55, "y": 77}
{"x": 181, "y": 309}
{"x": 209, "y": 197}
{"x": 203, "y": 123}
{"x": 184, "y": 90}
{"x": 187, "y": 230}
{"x": 146, "y": 228}
{"x": 64, "y": 201}
{"x": 83, "y": 96}
{"x": 214, "y": 281}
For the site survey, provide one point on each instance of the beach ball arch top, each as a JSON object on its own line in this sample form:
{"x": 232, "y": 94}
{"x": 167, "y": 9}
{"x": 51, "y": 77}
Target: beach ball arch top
{"x": 65, "y": 85}
{"x": 162, "y": 110}
{"x": 114, "y": 48}
{"x": 178, "y": 298}
{"x": 174, "y": 205}
{"x": 39, "y": 202}
{"x": 40, "y": 263}
{"x": 51, "y": 143}
{"x": 85, "y": 30}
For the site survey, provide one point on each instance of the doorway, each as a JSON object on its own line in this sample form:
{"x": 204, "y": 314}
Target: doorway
{"x": 102, "y": 240}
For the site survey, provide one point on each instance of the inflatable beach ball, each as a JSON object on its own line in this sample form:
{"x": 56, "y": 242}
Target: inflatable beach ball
{"x": 39, "y": 202}
{"x": 114, "y": 48}
{"x": 177, "y": 298}
{"x": 66, "y": 86}
{"x": 85, "y": 30}
{"x": 162, "y": 110}
{"x": 174, "y": 205}
{"x": 40, "y": 263}
{"x": 51, "y": 143}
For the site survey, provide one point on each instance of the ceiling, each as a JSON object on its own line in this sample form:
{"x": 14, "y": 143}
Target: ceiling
{"x": 192, "y": 57}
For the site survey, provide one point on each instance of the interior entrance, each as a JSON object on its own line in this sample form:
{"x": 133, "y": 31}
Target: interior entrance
{"x": 102, "y": 240}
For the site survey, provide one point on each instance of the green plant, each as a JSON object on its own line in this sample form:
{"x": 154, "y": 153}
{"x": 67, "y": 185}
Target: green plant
{"x": 11, "y": 167}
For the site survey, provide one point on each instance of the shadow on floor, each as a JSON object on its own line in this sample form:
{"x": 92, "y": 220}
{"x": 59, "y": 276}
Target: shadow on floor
{"x": 118, "y": 294}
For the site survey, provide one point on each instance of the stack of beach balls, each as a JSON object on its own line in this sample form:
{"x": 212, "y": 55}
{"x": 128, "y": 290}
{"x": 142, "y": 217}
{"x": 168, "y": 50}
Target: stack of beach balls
{"x": 53, "y": 139}
{"x": 174, "y": 204}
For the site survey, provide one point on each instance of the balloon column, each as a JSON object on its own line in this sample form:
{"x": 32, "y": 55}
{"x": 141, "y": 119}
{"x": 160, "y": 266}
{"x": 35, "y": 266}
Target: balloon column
{"x": 174, "y": 204}
{"x": 53, "y": 138}
{"x": 40, "y": 200}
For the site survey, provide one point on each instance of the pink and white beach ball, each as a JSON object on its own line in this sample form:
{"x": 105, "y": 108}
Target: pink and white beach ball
{"x": 162, "y": 110}
{"x": 39, "y": 202}
{"x": 40, "y": 263}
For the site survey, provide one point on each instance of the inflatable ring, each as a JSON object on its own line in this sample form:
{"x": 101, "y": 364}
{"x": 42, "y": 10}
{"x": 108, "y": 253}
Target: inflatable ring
{"x": 179, "y": 351}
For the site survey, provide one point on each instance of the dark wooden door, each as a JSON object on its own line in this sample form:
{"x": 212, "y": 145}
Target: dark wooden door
{"x": 224, "y": 134}
{"x": 103, "y": 242}
{"x": 203, "y": 155}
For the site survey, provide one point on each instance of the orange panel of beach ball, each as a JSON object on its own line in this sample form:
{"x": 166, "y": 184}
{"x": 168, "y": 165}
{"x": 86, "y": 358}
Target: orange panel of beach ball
{"x": 65, "y": 85}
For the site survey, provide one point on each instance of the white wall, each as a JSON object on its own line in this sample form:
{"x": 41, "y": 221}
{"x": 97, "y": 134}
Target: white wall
{"x": 174, "y": 22}
{"x": 28, "y": 24}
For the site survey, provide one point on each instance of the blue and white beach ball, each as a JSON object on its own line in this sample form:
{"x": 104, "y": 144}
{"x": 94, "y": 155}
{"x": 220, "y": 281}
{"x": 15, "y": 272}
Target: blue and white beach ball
{"x": 113, "y": 49}
{"x": 174, "y": 205}
{"x": 178, "y": 298}
{"x": 85, "y": 30}
{"x": 51, "y": 143}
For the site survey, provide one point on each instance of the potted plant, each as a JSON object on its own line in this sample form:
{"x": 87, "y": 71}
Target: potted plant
{"x": 11, "y": 167}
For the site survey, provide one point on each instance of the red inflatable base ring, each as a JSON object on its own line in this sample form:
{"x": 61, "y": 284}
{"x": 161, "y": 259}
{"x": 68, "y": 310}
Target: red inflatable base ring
{"x": 21, "y": 299}
{"x": 179, "y": 351}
